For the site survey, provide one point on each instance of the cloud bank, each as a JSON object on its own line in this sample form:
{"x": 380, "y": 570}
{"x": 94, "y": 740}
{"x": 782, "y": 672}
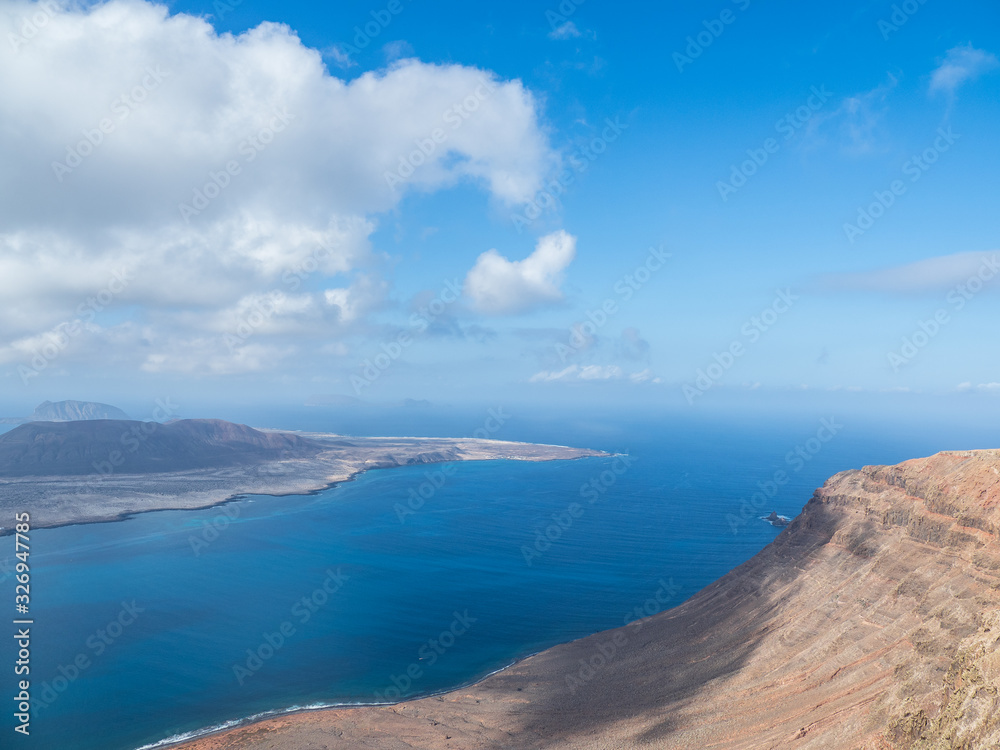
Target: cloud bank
{"x": 212, "y": 170}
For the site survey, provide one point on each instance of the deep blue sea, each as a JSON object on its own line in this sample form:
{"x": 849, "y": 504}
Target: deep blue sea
{"x": 176, "y": 621}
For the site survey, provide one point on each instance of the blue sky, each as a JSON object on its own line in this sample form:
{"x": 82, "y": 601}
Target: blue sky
{"x": 817, "y": 111}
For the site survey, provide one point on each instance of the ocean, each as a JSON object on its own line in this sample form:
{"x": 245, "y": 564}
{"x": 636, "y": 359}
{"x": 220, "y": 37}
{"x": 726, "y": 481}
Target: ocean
{"x": 406, "y": 581}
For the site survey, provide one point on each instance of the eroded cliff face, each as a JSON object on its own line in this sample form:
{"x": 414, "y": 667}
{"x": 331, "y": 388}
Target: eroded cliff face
{"x": 872, "y": 621}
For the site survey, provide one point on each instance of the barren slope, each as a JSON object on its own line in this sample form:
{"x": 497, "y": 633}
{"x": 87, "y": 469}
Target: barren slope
{"x": 872, "y": 621}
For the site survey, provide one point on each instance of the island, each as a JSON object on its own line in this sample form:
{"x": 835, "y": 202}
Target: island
{"x": 871, "y": 622}
{"x": 68, "y": 411}
{"x": 107, "y": 469}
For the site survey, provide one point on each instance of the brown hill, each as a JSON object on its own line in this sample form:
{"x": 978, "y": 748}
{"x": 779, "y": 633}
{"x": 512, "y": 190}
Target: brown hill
{"x": 872, "y": 622}
{"x": 49, "y": 449}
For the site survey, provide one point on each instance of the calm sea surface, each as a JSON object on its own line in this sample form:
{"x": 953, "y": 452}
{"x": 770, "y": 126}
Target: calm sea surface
{"x": 176, "y": 621}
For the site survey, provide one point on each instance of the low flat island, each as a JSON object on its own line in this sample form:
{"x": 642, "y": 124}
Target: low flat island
{"x": 106, "y": 470}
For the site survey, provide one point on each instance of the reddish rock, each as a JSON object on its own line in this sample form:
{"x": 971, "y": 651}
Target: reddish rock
{"x": 872, "y": 622}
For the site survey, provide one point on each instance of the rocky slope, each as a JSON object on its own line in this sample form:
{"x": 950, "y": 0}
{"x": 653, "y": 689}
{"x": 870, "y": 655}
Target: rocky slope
{"x": 872, "y": 622}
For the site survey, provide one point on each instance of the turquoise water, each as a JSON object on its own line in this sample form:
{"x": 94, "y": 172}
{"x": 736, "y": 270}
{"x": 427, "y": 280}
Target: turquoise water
{"x": 142, "y": 628}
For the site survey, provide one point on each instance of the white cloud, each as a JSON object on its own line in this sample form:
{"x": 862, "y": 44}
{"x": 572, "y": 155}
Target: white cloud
{"x": 545, "y": 376}
{"x": 961, "y": 64}
{"x": 594, "y": 373}
{"x": 567, "y": 30}
{"x": 857, "y": 120}
{"x": 201, "y": 356}
{"x": 351, "y": 303}
{"x": 931, "y": 274}
{"x": 981, "y": 387}
{"x": 310, "y": 153}
{"x": 340, "y": 57}
{"x": 645, "y": 376}
{"x": 598, "y": 372}
{"x": 498, "y": 286}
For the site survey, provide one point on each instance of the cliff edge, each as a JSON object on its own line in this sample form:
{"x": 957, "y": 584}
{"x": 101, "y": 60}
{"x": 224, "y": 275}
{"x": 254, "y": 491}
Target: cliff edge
{"x": 872, "y": 622}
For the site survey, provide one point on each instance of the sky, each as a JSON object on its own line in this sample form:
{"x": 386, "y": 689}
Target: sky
{"x": 694, "y": 207}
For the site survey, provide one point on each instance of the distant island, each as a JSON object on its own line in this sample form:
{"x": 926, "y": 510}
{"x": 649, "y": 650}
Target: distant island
{"x": 871, "y": 622}
{"x": 68, "y": 411}
{"x": 106, "y": 469}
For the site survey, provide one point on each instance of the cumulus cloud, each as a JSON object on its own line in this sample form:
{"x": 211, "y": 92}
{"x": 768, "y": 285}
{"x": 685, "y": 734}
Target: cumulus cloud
{"x": 351, "y": 303}
{"x": 498, "y": 286}
{"x": 931, "y": 274}
{"x": 212, "y": 167}
{"x": 961, "y": 64}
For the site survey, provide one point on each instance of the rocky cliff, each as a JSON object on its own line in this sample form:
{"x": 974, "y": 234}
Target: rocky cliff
{"x": 872, "y": 622}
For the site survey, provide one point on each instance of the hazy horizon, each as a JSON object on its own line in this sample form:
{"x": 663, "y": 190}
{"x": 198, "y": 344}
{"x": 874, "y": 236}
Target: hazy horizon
{"x": 651, "y": 208}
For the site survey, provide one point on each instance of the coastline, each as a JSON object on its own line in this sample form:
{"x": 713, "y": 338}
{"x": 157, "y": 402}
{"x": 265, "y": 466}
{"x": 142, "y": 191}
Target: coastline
{"x": 801, "y": 646}
{"x": 60, "y": 501}
{"x": 197, "y": 735}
